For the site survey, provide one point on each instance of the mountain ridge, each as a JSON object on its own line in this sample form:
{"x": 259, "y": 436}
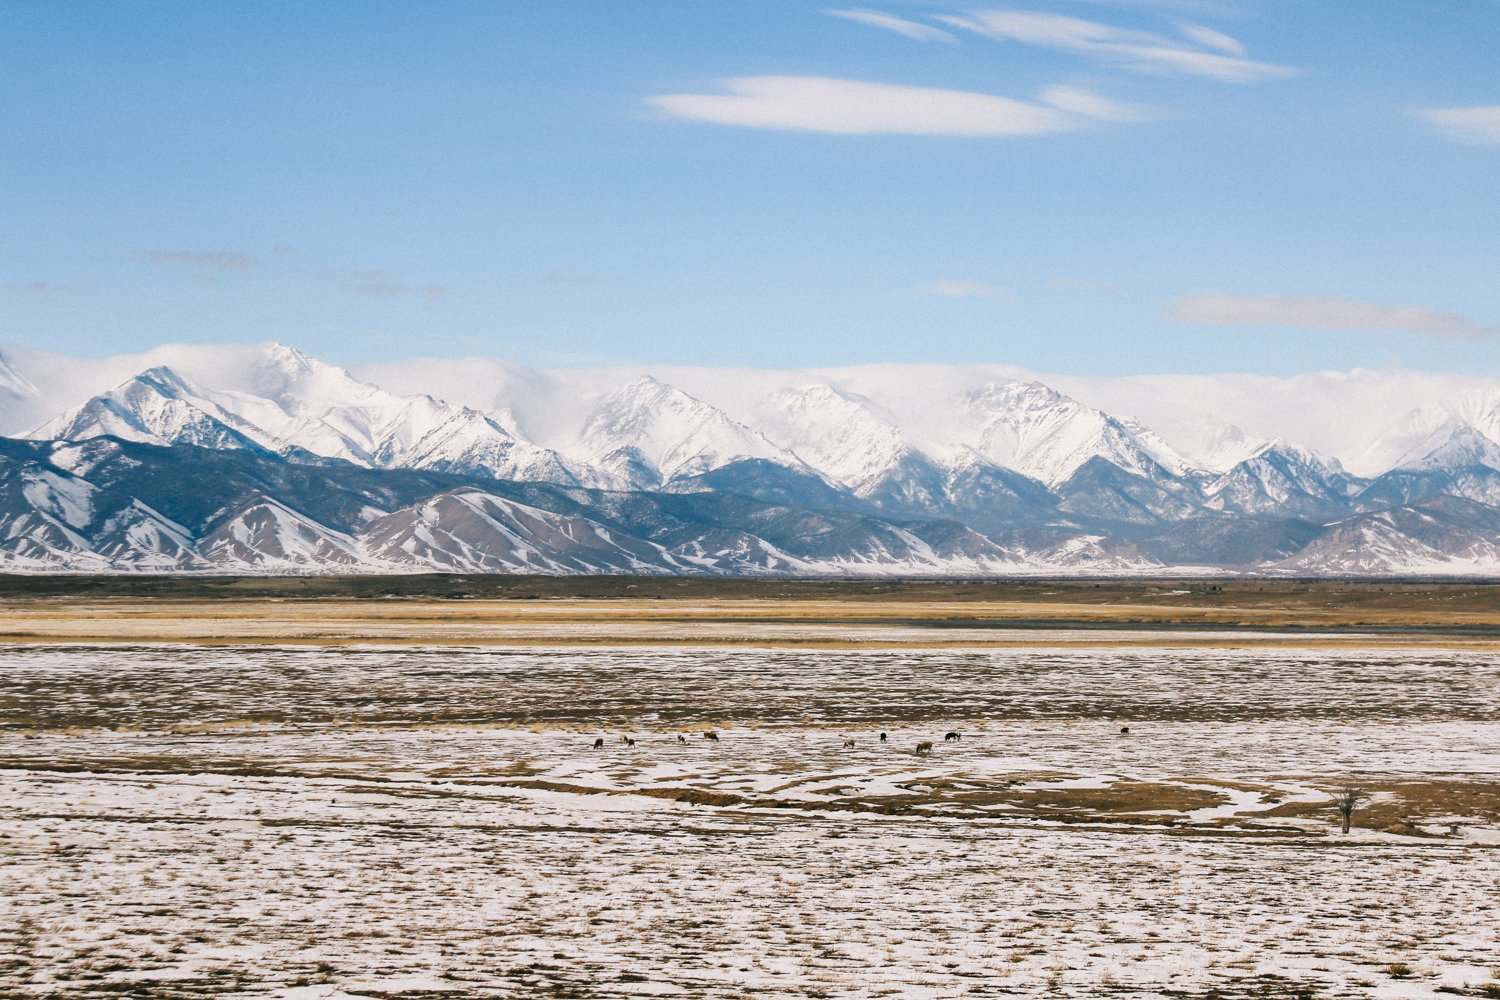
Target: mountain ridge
{"x": 1022, "y": 478}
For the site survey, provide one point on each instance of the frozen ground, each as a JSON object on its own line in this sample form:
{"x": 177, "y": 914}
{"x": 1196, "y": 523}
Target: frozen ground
{"x": 368, "y": 822}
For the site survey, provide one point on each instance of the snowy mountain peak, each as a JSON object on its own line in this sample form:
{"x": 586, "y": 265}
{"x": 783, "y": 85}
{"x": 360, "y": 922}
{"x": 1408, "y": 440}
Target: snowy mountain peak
{"x": 1280, "y": 477}
{"x": 1454, "y": 445}
{"x": 838, "y": 433}
{"x": 1285, "y": 451}
{"x": 1037, "y": 430}
{"x": 648, "y": 432}
{"x": 158, "y": 406}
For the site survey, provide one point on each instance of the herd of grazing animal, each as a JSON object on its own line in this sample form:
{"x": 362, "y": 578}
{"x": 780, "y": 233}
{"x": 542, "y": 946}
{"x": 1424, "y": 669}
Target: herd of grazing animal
{"x": 922, "y": 749}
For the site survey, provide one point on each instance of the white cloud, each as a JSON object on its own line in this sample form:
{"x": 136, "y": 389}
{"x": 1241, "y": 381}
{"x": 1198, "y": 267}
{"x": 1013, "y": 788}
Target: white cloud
{"x": 1479, "y": 125}
{"x": 854, "y": 107}
{"x": 1215, "y": 309}
{"x": 957, "y": 288}
{"x": 1206, "y": 52}
{"x": 914, "y": 30}
{"x": 1078, "y": 101}
{"x": 1211, "y": 39}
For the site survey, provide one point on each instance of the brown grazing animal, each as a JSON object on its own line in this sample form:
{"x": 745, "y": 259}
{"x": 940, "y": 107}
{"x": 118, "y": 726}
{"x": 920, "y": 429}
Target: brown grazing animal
{"x": 599, "y": 743}
{"x": 924, "y": 747}
{"x": 711, "y": 735}
{"x": 849, "y": 743}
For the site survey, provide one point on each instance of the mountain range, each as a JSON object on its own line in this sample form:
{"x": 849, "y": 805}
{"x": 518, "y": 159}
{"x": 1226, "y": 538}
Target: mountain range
{"x": 264, "y": 460}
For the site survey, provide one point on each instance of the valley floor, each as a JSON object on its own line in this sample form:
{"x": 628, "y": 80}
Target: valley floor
{"x": 658, "y": 611}
{"x": 376, "y": 820}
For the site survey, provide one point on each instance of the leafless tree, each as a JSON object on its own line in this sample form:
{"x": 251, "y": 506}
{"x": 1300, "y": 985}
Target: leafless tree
{"x": 1345, "y": 800}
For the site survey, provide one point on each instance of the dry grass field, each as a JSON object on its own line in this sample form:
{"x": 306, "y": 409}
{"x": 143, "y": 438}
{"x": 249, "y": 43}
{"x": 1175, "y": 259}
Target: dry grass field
{"x": 645, "y": 611}
{"x": 267, "y": 795}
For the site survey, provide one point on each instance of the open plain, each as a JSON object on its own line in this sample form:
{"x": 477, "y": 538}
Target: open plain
{"x": 256, "y": 792}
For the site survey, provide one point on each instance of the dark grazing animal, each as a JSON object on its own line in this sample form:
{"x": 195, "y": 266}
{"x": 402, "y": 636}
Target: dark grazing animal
{"x": 924, "y": 747}
{"x": 1124, "y": 730}
{"x": 629, "y": 742}
{"x": 681, "y": 738}
{"x": 950, "y": 737}
{"x": 711, "y": 735}
{"x": 882, "y": 737}
{"x": 599, "y": 743}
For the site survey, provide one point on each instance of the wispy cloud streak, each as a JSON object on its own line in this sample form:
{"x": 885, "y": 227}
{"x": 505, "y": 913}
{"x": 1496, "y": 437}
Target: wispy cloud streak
{"x": 915, "y": 30}
{"x": 1201, "y": 52}
{"x": 1478, "y": 125}
{"x": 1217, "y": 309}
{"x": 855, "y": 107}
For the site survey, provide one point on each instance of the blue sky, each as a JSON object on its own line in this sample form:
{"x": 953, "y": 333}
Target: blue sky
{"x": 1089, "y": 187}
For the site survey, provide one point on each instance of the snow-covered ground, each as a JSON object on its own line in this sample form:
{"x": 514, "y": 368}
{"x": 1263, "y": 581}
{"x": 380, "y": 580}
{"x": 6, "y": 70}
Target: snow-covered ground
{"x": 413, "y": 822}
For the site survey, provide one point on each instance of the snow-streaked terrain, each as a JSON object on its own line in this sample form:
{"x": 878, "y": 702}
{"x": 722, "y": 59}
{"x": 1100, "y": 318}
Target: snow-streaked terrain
{"x": 1369, "y": 420}
{"x": 918, "y": 469}
{"x": 415, "y": 822}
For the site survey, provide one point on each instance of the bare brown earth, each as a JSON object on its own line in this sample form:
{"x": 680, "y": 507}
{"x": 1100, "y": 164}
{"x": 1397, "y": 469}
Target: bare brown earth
{"x": 593, "y": 611}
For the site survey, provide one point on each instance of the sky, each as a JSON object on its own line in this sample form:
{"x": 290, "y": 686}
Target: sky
{"x": 1099, "y": 188}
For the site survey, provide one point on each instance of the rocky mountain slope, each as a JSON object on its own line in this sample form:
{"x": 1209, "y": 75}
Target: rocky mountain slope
{"x": 267, "y": 460}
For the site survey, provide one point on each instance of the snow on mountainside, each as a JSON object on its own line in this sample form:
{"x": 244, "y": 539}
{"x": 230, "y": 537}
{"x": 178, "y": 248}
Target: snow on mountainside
{"x": 1452, "y": 446}
{"x": 1456, "y": 460}
{"x": 868, "y": 470}
{"x": 107, "y": 505}
{"x": 302, "y": 406}
{"x": 470, "y": 531}
{"x": 838, "y": 433}
{"x": 157, "y": 407}
{"x": 1282, "y": 478}
{"x": 646, "y": 434}
{"x": 1038, "y": 431}
{"x": 1443, "y": 535}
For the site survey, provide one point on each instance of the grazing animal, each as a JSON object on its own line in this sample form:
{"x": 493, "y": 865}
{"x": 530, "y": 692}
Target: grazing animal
{"x": 1124, "y": 730}
{"x": 924, "y": 747}
{"x": 711, "y": 735}
{"x": 629, "y": 742}
{"x": 599, "y": 743}
{"x": 848, "y": 742}
{"x": 681, "y": 738}
{"x": 882, "y": 737}
{"x": 624, "y": 738}
{"x": 950, "y": 737}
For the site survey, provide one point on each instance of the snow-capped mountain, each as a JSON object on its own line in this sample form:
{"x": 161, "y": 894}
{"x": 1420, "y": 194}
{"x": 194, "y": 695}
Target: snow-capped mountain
{"x": 302, "y": 407}
{"x": 840, "y": 434}
{"x": 1041, "y": 433}
{"x": 646, "y": 434}
{"x": 1281, "y": 478}
{"x": 266, "y": 460}
{"x": 1456, "y": 460}
{"x": 158, "y": 407}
